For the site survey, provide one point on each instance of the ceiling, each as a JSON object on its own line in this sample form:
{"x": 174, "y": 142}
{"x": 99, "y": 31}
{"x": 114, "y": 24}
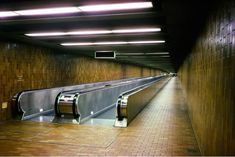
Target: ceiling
{"x": 180, "y": 21}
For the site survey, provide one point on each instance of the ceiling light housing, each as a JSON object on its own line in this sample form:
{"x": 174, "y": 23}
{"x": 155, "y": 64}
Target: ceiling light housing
{"x": 157, "y": 53}
{"x": 147, "y": 42}
{"x": 48, "y": 11}
{"x": 45, "y": 34}
{"x": 112, "y": 43}
{"x": 118, "y": 6}
{"x": 89, "y": 32}
{"x": 93, "y": 32}
{"x": 137, "y": 30}
{"x": 77, "y": 44}
{"x": 76, "y": 9}
{"x": 143, "y": 54}
{"x": 8, "y": 14}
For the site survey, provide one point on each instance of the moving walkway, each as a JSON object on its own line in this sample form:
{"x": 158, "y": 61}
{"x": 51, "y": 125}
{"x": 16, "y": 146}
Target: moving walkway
{"x": 83, "y": 102}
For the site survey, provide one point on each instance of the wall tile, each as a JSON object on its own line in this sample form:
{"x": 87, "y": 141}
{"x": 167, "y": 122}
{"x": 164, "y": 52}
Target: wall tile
{"x": 208, "y": 76}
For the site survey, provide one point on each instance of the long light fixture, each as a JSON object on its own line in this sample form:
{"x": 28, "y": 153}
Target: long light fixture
{"x": 48, "y": 11}
{"x": 112, "y": 43}
{"x": 138, "y": 30}
{"x": 94, "y": 43}
{"x": 166, "y": 56}
{"x": 157, "y": 53}
{"x": 7, "y": 14}
{"x": 45, "y": 34}
{"x": 146, "y": 42}
{"x": 85, "y": 32}
{"x": 127, "y": 54}
{"x": 146, "y": 54}
{"x": 118, "y": 6}
{"x": 78, "y": 44}
{"x": 76, "y": 9}
{"x": 93, "y": 32}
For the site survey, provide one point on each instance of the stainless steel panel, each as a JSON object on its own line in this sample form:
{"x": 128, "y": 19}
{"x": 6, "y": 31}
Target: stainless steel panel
{"x": 94, "y": 101}
{"x": 34, "y": 102}
{"x": 131, "y": 102}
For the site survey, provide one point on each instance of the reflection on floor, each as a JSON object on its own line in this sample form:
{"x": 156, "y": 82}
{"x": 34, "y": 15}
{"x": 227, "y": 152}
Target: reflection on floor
{"x": 44, "y": 118}
{"x": 162, "y": 128}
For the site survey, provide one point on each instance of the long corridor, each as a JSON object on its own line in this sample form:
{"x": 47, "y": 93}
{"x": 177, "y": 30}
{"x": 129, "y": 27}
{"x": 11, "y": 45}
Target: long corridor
{"x": 162, "y": 128}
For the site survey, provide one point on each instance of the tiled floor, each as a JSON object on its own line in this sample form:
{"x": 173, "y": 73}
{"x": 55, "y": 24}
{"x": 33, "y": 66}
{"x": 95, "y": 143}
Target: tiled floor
{"x": 162, "y": 128}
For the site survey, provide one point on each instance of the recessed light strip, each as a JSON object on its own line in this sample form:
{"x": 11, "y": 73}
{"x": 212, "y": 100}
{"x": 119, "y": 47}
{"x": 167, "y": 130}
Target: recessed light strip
{"x": 112, "y": 43}
{"x": 153, "y": 53}
{"x": 78, "y": 44}
{"x": 48, "y": 11}
{"x": 45, "y": 34}
{"x": 146, "y": 42}
{"x": 127, "y": 54}
{"x": 145, "y": 54}
{"x": 76, "y": 9}
{"x": 165, "y": 56}
{"x": 118, "y": 6}
{"x": 7, "y": 14}
{"x": 88, "y": 32}
{"x": 139, "y": 30}
{"x": 93, "y": 32}
{"x": 85, "y": 32}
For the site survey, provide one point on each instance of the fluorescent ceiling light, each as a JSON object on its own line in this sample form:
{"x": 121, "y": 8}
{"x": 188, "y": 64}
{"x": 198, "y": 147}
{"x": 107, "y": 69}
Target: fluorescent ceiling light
{"x": 47, "y": 11}
{"x": 144, "y": 56}
{"x": 78, "y": 44}
{"x": 94, "y": 43}
{"x": 45, "y": 34}
{"x": 87, "y": 8}
{"x": 126, "y": 54}
{"x": 111, "y": 43}
{"x": 118, "y": 6}
{"x": 140, "y": 54}
{"x": 91, "y": 32}
{"x": 146, "y": 42}
{"x": 7, "y": 13}
{"x": 140, "y": 30}
{"x": 165, "y": 56}
{"x": 157, "y": 53}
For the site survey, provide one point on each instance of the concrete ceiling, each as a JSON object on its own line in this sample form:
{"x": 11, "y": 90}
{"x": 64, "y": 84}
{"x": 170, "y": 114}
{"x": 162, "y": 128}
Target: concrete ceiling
{"x": 180, "y": 22}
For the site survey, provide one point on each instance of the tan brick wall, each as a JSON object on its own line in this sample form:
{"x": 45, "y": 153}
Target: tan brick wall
{"x": 208, "y": 76}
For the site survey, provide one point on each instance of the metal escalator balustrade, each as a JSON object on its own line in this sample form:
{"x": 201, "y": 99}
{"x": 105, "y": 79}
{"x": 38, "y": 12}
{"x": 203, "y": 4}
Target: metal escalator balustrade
{"x": 87, "y": 103}
{"x": 80, "y": 102}
{"x": 32, "y": 103}
{"x": 131, "y": 102}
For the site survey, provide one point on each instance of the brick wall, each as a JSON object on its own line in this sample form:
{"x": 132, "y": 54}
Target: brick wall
{"x": 208, "y": 76}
